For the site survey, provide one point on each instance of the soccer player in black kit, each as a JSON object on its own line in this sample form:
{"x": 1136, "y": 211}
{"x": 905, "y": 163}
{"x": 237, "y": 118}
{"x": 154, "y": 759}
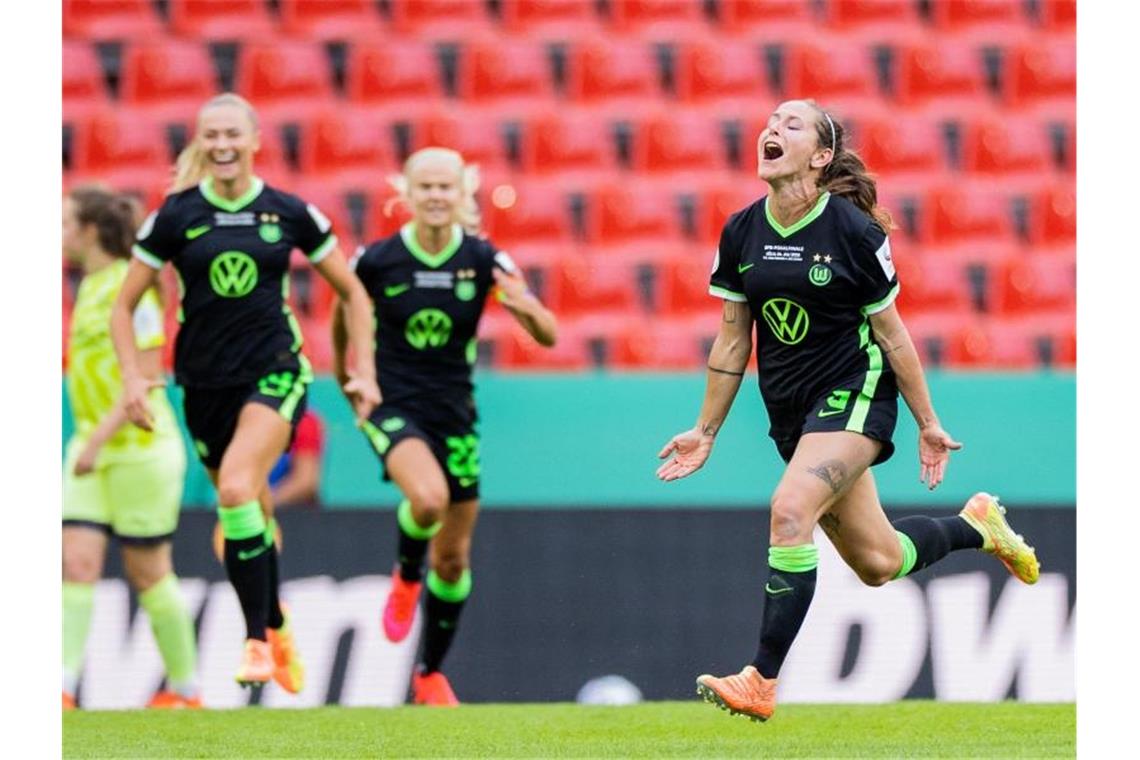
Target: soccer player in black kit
{"x": 429, "y": 283}
{"x": 238, "y": 354}
{"x": 810, "y": 265}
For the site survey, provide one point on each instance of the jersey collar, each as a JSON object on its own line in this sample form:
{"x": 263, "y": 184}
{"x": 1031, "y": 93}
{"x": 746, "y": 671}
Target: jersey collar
{"x": 206, "y": 187}
{"x": 804, "y": 221}
{"x": 433, "y": 260}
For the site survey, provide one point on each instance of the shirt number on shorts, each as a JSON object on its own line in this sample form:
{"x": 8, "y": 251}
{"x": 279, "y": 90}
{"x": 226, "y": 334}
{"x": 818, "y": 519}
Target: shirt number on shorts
{"x": 463, "y": 456}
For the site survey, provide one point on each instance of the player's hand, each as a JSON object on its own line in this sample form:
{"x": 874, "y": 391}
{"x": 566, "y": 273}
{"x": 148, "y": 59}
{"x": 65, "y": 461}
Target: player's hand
{"x": 364, "y": 394}
{"x": 934, "y": 447}
{"x": 136, "y": 403}
{"x": 85, "y": 463}
{"x": 512, "y": 290}
{"x": 690, "y": 449}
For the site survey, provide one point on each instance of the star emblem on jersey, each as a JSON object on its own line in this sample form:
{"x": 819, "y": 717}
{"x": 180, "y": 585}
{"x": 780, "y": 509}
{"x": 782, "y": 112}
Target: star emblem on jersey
{"x": 428, "y": 328}
{"x": 233, "y": 274}
{"x": 819, "y": 274}
{"x": 787, "y": 320}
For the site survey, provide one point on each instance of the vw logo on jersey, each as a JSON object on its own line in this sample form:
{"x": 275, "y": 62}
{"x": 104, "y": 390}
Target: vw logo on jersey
{"x": 428, "y": 328}
{"x": 819, "y": 274}
{"x": 787, "y": 319}
{"x": 233, "y": 274}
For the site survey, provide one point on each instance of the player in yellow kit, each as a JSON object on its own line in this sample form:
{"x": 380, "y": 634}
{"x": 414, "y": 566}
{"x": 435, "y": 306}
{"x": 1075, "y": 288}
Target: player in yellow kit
{"x": 118, "y": 479}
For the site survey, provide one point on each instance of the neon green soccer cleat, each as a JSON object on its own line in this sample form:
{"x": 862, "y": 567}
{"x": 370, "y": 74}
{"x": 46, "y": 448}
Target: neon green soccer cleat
{"x": 987, "y": 516}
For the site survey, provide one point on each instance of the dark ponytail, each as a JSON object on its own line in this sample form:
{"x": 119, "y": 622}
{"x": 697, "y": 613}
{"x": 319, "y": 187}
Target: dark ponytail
{"x": 846, "y": 175}
{"x": 115, "y": 216}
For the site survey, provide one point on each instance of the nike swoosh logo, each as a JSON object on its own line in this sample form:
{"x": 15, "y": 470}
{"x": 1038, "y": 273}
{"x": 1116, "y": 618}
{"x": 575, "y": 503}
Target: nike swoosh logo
{"x": 394, "y": 290}
{"x": 195, "y": 232}
{"x": 465, "y": 482}
{"x": 776, "y": 591}
{"x": 742, "y": 268}
{"x": 244, "y": 555}
{"x": 832, "y": 412}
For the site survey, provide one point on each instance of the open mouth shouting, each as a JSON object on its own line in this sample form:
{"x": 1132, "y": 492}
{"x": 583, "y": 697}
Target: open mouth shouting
{"x": 772, "y": 150}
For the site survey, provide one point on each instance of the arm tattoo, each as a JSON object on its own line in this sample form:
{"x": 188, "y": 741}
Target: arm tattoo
{"x": 729, "y": 312}
{"x": 831, "y": 471}
{"x": 830, "y": 525}
{"x": 710, "y": 428}
{"x": 725, "y": 371}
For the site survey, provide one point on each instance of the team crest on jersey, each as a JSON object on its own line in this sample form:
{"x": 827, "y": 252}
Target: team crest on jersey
{"x": 270, "y": 230}
{"x": 819, "y": 274}
{"x": 465, "y": 286}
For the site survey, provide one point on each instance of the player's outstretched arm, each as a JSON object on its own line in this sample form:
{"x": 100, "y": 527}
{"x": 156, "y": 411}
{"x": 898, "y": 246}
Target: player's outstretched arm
{"x": 934, "y": 443}
{"x": 361, "y": 386}
{"x": 727, "y": 361}
{"x": 136, "y": 384}
{"x": 535, "y": 318}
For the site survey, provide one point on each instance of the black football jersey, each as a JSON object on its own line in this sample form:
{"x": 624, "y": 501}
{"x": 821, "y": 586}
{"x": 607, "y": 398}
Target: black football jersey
{"x": 232, "y": 260}
{"x": 811, "y": 288}
{"x": 427, "y": 310}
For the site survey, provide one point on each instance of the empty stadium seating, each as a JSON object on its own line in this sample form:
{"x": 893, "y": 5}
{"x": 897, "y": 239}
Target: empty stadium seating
{"x": 615, "y": 140}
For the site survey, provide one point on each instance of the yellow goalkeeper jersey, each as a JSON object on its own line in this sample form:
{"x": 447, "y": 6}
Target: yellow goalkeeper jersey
{"x": 94, "y": 383}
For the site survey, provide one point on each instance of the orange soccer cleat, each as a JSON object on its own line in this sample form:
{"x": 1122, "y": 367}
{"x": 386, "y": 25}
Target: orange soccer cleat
{"x": 987, "y": 516}
{"x": 432, "y": 689}
{"x": 400, "y": 609}
{"x": 172, "y": 700}
{"x": 745, "y": 693}
{"x": 288, "y": 670}
{"x": 256, "y": 664}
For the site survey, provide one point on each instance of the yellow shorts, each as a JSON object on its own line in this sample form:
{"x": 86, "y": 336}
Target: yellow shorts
{"x": 136, "y": 500}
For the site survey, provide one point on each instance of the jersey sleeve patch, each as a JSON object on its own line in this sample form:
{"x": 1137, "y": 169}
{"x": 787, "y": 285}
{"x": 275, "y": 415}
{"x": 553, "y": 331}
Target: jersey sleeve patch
{"x": 884, "y": 257}
{"x": 504, "y": 261}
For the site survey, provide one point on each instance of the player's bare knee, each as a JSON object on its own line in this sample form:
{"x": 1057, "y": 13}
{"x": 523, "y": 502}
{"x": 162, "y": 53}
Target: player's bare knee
{"x": 877, "y": 570}
{"x": 81, "y": 567}
{"x": 429, "y": 504}
{"x": 790, "y": 519}
{"x": 236, "y": 488}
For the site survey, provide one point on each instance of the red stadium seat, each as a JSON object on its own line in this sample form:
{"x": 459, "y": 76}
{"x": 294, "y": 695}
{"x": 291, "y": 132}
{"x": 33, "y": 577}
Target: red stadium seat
{"x": 476, "y": 134}
{"x": 384, "y": 215}
{"x": 939, "y": 69}
{"x": 568, "y": 141}
{"x": 568, "y": 19}
{"x": 678, "y": 141}
{"x": 317, "y": 348}
{"x": 348, "y": 149}
{"x": 285, "y": 77}
{"x": 84, "y": 91}
{"x": 1058, "y": 333}
{"x": 617, "y": 73}
{"x": 772, "y": 20}
{"x": 110, "y": 19}
{"x": 331, "y": 19}
{"x": 1053, "y": 215}
{"x": 125, "y": 148}
{"x": 961, "y": 212}
{"x": 682, "y": 285}
{"x": 493, "y": 69}
{"x": 400, "y": 77}
{"x": 438, "y": 19}
{"x": 666, "y": 18}
{"x": 1039, "y": 283}
{"x": 931, "y": 284}
{"x": 224, "y": 20}
{"x": 1043, "y": 70}
{"x": 858, "y": 14}
{"x": 1058, "y": 15}
{"x": 965, "y": 15}
{"x": 519, "y": 351}
{"x": 829, "y": 68}
{"x": 714, "y": 70}
{"x": 583, "y": 285}
{"x": 717, "y": 202}
{"x": 933, "y": 334}
{"x": 172, "y": 76}
{"x": 660, "y": 344}
{"x": 529, "y": 212}
{"x": 625, "y": 213}
{"x": 1003, "y": 144}
{"x": 902, "y": 143}
{"x": 333, "y": 204}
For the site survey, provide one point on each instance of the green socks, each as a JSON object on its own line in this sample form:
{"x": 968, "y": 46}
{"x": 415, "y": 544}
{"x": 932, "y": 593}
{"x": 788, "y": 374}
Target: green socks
{"x": 173, "y": 632}
{"x": 78, "y": 603}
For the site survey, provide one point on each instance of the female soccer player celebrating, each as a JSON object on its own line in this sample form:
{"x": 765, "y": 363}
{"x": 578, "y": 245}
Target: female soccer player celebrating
{"x": 238, "y": 353}
{"x": 428, "y": 284}
{"x": 810, "y": 265}
{"x": 118, "y": 479}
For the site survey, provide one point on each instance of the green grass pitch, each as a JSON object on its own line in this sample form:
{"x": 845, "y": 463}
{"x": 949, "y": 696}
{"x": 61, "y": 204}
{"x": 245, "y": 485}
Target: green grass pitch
{"x": 909, "y": 729}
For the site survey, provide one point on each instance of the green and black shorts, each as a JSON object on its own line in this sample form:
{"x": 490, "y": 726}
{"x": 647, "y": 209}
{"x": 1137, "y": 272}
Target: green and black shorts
{"x": 454, "y": 442}
{"x": 846, "y": 407}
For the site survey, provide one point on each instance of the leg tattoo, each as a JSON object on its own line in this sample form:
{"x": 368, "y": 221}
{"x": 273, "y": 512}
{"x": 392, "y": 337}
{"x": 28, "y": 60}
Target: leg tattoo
{"x": 833, "y": 472}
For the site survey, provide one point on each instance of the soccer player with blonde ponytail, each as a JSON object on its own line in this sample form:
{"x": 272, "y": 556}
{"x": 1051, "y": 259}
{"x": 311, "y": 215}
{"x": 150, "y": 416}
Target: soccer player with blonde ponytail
{"x": 238, "y": 356}
{"x": 428, "y": 284}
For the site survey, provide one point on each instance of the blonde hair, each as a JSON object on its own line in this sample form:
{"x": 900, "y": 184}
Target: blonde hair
{"x": 467, "y": 212}
{"x": 190, "y": 166}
